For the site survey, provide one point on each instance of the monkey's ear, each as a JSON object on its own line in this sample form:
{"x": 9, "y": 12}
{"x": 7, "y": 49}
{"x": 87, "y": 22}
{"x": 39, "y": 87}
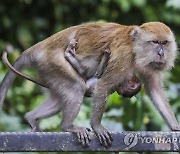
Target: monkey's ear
{"x": 134, "y": 33}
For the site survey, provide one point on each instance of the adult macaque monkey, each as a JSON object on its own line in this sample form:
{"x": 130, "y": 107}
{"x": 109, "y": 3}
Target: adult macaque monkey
{"x": 148, "y": 49}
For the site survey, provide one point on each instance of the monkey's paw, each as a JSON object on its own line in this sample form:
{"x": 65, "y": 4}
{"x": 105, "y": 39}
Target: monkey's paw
{"x": 83, "y": 135}
{"x": 176, "y": 127}
{"x": 103, "y": 135}
{"x": 35, "y": 129}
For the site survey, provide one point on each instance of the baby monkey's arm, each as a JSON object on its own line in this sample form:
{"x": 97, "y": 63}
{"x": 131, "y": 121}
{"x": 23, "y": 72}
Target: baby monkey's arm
{"x": 70, "y": 56}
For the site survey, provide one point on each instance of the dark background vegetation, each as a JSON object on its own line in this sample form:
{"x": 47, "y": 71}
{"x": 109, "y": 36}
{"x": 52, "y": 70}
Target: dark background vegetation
{"x": 26, "y": 22}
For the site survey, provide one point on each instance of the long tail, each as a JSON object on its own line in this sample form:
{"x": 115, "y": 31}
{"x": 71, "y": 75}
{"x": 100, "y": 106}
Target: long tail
{"x": 5, "y": 60}
{"x": 22, "y": 62}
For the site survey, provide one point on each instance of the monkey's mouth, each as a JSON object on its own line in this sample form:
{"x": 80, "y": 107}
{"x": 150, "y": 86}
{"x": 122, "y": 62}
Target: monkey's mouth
{"x": 157, "y": 65}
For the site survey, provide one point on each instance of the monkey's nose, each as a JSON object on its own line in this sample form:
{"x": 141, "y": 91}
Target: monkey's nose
{"x": 161, "y": 52}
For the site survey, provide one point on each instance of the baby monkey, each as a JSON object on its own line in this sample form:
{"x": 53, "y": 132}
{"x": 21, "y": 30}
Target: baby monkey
{"x": 128, "y": 89}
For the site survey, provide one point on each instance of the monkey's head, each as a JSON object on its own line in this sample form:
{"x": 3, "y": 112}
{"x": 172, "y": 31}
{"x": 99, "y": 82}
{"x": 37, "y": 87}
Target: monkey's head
{"x": 154, "y": 46}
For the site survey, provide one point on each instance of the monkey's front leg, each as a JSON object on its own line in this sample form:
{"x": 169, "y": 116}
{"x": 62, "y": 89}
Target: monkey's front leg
{"x": 98, "y": 107}
{"x": 155, "y": 92}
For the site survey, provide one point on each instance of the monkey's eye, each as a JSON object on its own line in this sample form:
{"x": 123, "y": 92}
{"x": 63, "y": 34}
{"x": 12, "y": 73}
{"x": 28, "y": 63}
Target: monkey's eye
{"x": 164, "y": 42}
{"x": 155, "y": 42}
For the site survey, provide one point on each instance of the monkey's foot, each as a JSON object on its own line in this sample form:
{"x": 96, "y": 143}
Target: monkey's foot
{"x": 32, "y": 123}
{"x": 176, "y": 127}
{"x": 107, "y": 50}
{"x": 72, "y": 43}
{"x": 103, "y": 135}
{"x": 83, "y": 134}
{"x": 35, "y": 129}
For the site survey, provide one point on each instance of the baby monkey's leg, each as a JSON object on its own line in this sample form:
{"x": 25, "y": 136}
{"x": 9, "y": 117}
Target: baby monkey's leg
{"x": 70, "y": 56}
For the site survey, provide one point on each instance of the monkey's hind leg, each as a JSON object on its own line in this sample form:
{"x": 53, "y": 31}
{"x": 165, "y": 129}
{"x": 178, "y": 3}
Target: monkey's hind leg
{"x": 46, "y": 109}
{"x": 70, "y": 111}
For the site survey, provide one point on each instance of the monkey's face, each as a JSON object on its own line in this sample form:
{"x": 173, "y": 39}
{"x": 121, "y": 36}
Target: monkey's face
{"x": 155, "y": 46}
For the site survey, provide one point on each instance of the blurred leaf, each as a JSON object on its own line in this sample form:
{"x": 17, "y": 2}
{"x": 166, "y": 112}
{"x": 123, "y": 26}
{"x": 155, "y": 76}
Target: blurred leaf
{"x": 50, "y": 123}
{"x": 124, "y": 5}
{"x": 173, "y": 3}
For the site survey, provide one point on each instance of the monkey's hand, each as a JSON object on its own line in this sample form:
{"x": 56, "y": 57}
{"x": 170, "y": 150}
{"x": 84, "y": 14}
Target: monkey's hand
{"x": 103, "y": 135}
{"x": 84, "y": 136}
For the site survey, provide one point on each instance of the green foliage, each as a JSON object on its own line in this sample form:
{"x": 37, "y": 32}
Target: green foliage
{"x": 26, "y": 22}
